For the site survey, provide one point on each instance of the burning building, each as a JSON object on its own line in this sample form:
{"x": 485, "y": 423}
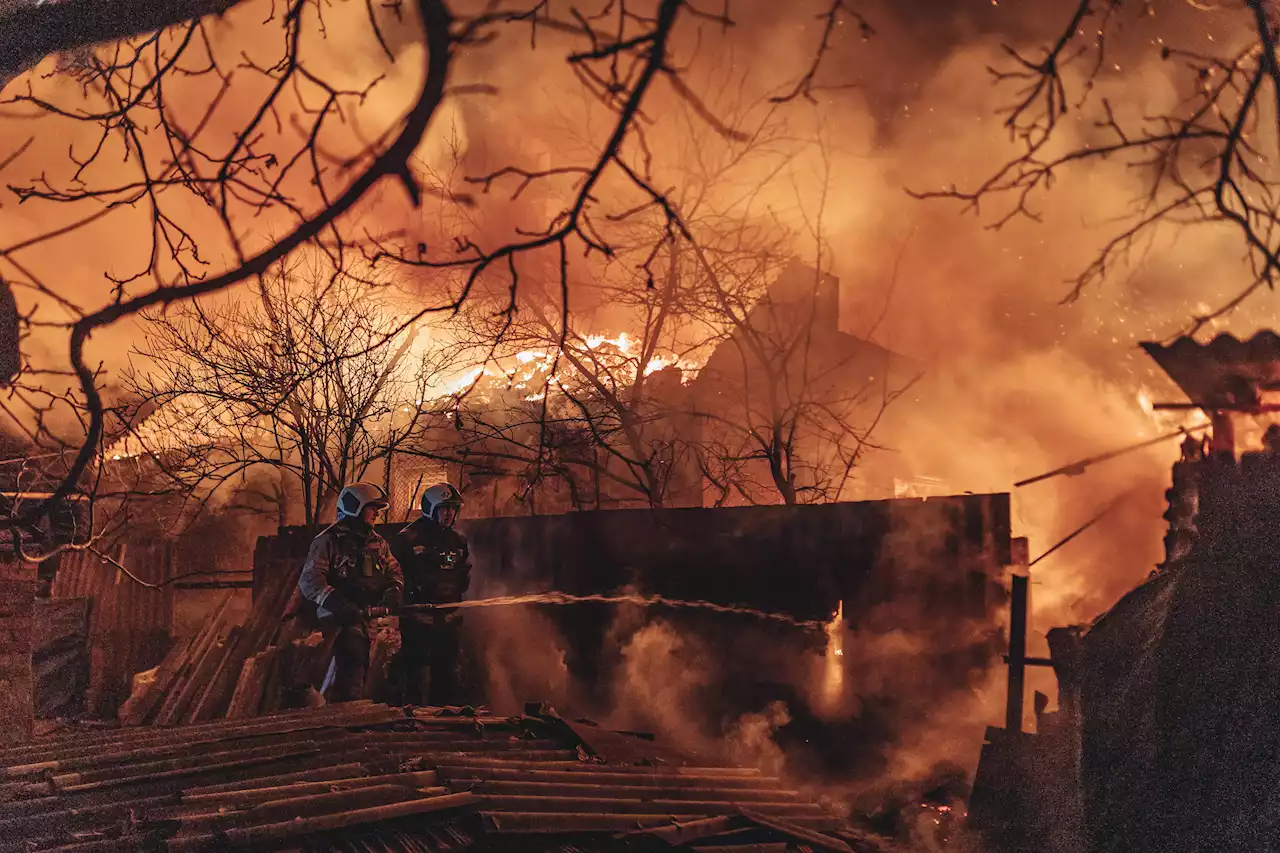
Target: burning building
{"x": 788, "y": 361}
{"x": 787, "y": 408}
{"x": 1165, "y": 736}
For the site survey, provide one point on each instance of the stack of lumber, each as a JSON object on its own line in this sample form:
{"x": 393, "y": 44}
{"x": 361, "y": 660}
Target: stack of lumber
{"x": 227, "y": 670}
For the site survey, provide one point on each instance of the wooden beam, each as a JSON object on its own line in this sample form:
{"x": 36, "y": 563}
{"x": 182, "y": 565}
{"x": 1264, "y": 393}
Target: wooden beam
{"x": 1017, "y": 654}
{"x": 1033, "y": 661}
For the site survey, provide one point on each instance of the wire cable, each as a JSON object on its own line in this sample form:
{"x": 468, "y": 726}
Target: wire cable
{"x": 161, "y": 584}
{"x": 1101, "y": 514}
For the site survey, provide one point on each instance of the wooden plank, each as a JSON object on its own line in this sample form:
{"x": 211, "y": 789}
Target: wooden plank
{"x": 220, "y": 680}
{"x": 169, "y": 709}
{"x": 259, "y": 628}
{"x": 198, "y": 682}
{"x": 1017, "y": 654}
{"x": 247, "y": 698}
{"x": 139, "y": 706}
{"x": 167, "y": 692}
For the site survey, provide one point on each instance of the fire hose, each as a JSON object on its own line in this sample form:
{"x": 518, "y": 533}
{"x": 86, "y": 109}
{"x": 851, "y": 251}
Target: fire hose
{"x": 383, "y": 612}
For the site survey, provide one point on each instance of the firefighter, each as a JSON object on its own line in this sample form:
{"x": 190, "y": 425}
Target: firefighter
{"x": 437, "y": 565}
{"x": 352, "y": 578}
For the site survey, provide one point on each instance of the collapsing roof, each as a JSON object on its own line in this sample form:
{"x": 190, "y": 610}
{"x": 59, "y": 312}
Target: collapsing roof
{"x": 370, "y": 777}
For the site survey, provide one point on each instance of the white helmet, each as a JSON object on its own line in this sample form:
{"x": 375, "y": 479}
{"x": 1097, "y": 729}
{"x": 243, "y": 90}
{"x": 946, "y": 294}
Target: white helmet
{"x": 355, "y": 497}
{"x": 438, "y": 497}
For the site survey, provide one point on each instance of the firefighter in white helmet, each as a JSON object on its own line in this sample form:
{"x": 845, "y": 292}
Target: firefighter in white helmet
{"x": 437, "y": 566}
{"x": 351, "y": 578}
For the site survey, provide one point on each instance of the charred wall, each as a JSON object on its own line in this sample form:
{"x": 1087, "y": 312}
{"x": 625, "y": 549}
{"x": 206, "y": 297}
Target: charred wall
{"x": 799, "y": 560}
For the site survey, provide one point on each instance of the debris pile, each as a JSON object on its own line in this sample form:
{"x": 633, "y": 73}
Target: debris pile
{"x": 368, "y": 776}
{"x": 226, "y": 670}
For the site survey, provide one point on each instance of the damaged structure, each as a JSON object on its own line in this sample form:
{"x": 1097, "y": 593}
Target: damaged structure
{"x": 366, "y": 777}
{"x": 1165, "y": 737}
{"x": 209, "y": 757}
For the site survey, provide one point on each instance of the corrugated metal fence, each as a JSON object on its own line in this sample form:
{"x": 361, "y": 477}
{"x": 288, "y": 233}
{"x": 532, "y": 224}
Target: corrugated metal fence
{"x": 129, "y": 623}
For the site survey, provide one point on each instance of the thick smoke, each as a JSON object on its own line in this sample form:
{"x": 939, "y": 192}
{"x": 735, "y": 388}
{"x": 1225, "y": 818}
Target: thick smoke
{"x": 522, "y": 656}
{"x": 1018, "y": 383}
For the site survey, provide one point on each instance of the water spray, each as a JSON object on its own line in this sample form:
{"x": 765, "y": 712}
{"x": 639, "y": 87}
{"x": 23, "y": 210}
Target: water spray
{"x": 564, "y": 598}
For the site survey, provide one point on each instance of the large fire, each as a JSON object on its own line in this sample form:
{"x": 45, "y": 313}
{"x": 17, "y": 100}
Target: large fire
{"x": 612, "y": 359}
{"x": 187, "y": 420}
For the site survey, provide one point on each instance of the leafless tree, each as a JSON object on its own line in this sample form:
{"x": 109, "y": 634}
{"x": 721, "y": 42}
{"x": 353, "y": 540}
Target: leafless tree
{"x": 306, "y": 383}
{"x": 227, "y": 184}
{"x": 788, "y": 403}
{"x": 1210, "y": 161}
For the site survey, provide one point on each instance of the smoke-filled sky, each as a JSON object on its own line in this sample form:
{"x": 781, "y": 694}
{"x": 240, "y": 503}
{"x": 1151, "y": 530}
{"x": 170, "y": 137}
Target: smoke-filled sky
{"x": 1019, "y": 383}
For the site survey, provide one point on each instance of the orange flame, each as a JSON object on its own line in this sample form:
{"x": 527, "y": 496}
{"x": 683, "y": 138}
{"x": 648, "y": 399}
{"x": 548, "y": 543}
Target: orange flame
{"x": 833, "y": 670}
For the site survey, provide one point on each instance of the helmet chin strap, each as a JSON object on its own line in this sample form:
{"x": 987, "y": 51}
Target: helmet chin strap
{"x": 357, "y": 522}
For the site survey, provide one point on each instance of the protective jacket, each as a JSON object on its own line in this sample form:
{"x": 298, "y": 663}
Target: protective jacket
{"x": 436, "y": 560}
{"x": 350, "y": 567}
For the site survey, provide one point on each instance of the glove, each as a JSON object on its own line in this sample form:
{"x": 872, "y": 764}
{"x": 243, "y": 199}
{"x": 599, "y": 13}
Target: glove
{"x": 393, "y": 598}
{"x": 343, "y": 610}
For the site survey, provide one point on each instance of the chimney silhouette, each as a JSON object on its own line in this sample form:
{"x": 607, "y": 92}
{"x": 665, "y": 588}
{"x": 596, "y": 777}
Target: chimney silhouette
{"x": 800, "y": 291}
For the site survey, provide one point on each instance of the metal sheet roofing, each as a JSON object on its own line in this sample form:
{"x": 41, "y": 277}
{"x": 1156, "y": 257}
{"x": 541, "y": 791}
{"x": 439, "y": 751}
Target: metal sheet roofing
{"x": 369, "y": 777}
{"x": 1224, "y": 371}
{"x": 129, "y": 624}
